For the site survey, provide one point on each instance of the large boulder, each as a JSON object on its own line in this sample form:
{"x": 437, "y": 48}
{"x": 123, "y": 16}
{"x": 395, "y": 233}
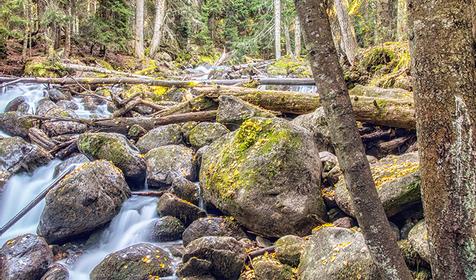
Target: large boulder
{"x": 25, "y": 257}
{"x": 222, "y": 257}
{"x": 16, "y": 123}
{"x": 170, "y": 205}
{"x": 212, "y": 226}
{"x": 47, "y": 108}
{"x": 205, "y": 133}
{"x": 84, "y": 200}
{"x": 316, "y": 123}
{"x": 163, "y": 161}
{"x": 140, "y": 261}
{"x": 56, "y": 271}
{"x": 289, "y": 249}
{"x": 117, "y": 149}
{"x": 418, "y": 238}
{"x": 266, "y": 175}
{"x": 233, "y": 111}
{"x": 397, "y": 179}
{"x": 161, "y": 136}
{"x": 18, "y": 104}
{"x": 166, "y": 229}
{"x": 266, "y": 268}
{"x": 333, "y": 253}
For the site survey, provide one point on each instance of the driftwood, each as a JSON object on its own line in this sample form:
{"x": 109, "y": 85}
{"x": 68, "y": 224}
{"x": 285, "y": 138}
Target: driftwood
{"x": 150, "y": 193}
{"x": 85, "y": 68}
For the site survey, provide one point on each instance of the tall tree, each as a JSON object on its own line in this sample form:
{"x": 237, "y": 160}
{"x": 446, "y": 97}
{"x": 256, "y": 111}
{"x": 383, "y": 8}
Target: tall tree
{"x": 158, "y": 26}
{"x": 402, "y": 19}
{"x": 277, "y": 29}
{"x": 297, "y": 37}
{"x": 335, "y": 99}
{"x": 443, "y": 67}
{"x": 386, "y": 21}
{"x": 139, "y": 29}
{"x": 347, "y": 30}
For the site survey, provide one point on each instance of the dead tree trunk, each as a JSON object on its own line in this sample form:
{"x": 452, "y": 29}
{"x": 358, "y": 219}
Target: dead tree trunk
{"x": 158, "y": 27}
{"x": 443, "y": 66}
{"x": 347, "y": 30}
{"x": 329, "y": 78}
{"x": 139, "y": 29}
{"x": 297, "y": 38}
{"x": 277, "y": 29}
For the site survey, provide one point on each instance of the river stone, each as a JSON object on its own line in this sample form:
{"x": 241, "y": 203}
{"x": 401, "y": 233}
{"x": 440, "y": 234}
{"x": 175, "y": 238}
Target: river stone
{"x": 316, "y": 123}
{"x": 289, "y": 249}
{"x": 161, "y": 136}
{"x": 333, "y": 253}
{"x": 84, "y": 200}
{"x": 16, "y": 124}
{"x": 185, "y": 189}
{"x": 141, "y": 261}
{"x": 163, "y": 161}
{"x": 56, "y": 271}
{"x": 170, "y": 205}
{"x": 68, "y": 105}
{"x": 397, "y": 179}
{"x": 117, "y": 149}
{"x": 266, "y": 175}
{"x": 46, "y": 108}
{"x": 205, "y": 133}
{"x": 75, "y": 159}
{"x": 418, "y": 238}
{"x": 166, "y": 229}
{"x": 25, "y": 257}
{"x": 212, "y": 226}
{"x": 222, "y": 257}
{"x": 56, "y": 95}
{"x": 267, "y": 268}
{"x": 233, "y": 111}
{"x": 18, "y": 104}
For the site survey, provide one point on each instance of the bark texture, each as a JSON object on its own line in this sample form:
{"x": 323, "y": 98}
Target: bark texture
{"x": 158, "y": 26}
{"x": 297, "y": 38}
{"x": 349, "y": 40}
{"x": 386, "y": 21}
{"x": 350, "y": 151}
{"x": 277, "y": 28}
{"x": 402, "y": 19}
{"x": 139, "y": 29}
{"x": 443, "y": 68}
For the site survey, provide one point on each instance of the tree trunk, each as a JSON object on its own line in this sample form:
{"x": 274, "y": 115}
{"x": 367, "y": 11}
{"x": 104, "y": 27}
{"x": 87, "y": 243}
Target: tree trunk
{"x": 329, "y": 77}
{"x": 68, "y": 29}
{"x": 287, "y": 36}
{"x": 139, "y": 29}
{"x": 297, "y": 38}
{"x": 474, "y": 21}
{"x": 277, "y": 29}
{"x": 443, "y": 69}
{"x": 402, "y": 28}
{"x": 386, "y": 23}
{"x": 347, "y": 31}
{"x": 26, "y": 13}
{"x": 158, "y": 27}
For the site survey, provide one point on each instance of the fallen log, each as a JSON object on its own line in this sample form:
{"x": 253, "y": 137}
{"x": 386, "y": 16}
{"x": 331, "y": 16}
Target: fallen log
{"x": 85, "y": 68}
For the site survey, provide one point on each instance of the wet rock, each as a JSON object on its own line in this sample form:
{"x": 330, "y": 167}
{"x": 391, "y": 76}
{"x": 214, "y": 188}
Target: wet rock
{"x": 136, "y": 131}
{"x": 222, "y": 257}
{"x": 117, "y": 149}
{"x": 316, "y": 123}
{"x": 166, "y": 229}
{"x": 140, "y": 261}
{"x": 16, "y": 124}
{"x": 205, "y": 133}
{"x": 170, "y": 205}
{"x": 212, "y": 226}
{"x": 68, "y": 105}
{"x": 56, "y": 95}
{"x": 232, "y": 111}
{"x": 46, "y": 108}
{"x": 266, "y": 175}
{"x": 185, "y": 189}
{"x": 163, "y": 161}
{"x": 84, "y": 200}
{"x": 333, "y": 253}
{"x": 344, "y": 222}
{"x": 161, "y": 136}
{"x": 56, "y": 272}
{"x": 187, "y": 127}
{"x": 266, "y": 268}
{"x": 397, "y": 179}
{"x": 418, "y": 238}
{"x": 25, "y": 257}
{"x": 289, "y": 249}
{"x": 75, "y": 159}
{"x": 18, "y": 104}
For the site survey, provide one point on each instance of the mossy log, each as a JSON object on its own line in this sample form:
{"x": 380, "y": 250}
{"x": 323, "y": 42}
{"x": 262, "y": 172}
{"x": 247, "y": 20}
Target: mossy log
{"x": 368, "y": 106}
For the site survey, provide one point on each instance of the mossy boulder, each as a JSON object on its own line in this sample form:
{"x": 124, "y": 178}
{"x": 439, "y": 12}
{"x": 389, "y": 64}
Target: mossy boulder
{"x": 212, "y": 226}
{"x": 418, "y": 238}
{"x": 43, "y": 67}
{"x": 117, "y": 149}
{"x": 333, "y": 253}
{"x": 397, "y": 179}
{"x": 185, "y": 189}
{"x": 167, "y": 161}
{"x": 288, "y": 66}
{"x": 170, "y": 205}
{"x": 266, "y": 175}
{"x": 289, "y": 249}
{"x": 84, "y": 200}
{"x": 166, "y": 229}
{"x": 25, "y": 257}
{"x": 232, "y": 111}
{"x": 16, "y": 123}
{"x": 161, "y": 136}
{"x": 205, "y": 133}
{"x": 266, "y": 268}
{"x": 316, "y": 123}
{"x": 48, "y": 109}
{"x": 140, "y": 261}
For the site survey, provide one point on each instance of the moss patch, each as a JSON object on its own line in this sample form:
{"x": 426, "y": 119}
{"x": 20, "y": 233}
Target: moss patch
{"x": 287, "y": 66}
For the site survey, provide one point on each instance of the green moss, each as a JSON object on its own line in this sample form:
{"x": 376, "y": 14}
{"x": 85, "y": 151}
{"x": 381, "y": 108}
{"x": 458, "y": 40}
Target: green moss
{"x": 42, "y": 67}
{"x": 105, "y": 147}
{"x": 298, "y": 67}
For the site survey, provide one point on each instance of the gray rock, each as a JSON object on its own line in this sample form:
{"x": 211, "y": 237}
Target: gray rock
{"x": 84, "y": 200}
{"x": 205, "y": 133}
{"x": 18, "y": 104}
{"x": 67, "y": 105}
{"x": 56, "y": 95}
{"x": 140, "y": 261}
{"x": 185, "y": 189}
{"x": 161, "y": 136}
{"x": 163, "y": 161}
{"x": 316, "y": 123}
{"x": 212, "y": 226}
{"x": 75, "y": 159}
{"x": 16, "y": 124}
{"x": 222, "y": 257}
{"x": 170, "y": 205}
{"x": 289, "y": 249}
{"x": 418, "y": 238}
{"x": 166, "y": 229}
{"x": 333, "y": 253}
{"x": 232, "y": 111}
{"x": 329, "y": 161}
{"x": 25, "y": 257}
{"x": 56, "y": 271}
{"x": 266, "y": 175}
{"x": 266, "y": 268}
{"x": 46, "y": 108}
{"x": 117, "y": 149}
{"x": 397, "y": 179}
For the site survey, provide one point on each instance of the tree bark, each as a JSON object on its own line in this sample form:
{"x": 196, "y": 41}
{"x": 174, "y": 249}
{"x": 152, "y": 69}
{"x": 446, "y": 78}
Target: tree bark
{"x": 297, "y": 37}
{"x": 158, "y": 26}
{"x": 277, "y": 29}
{"x": 386, "y": 23}
{"x": 329, "y": 77}
{"x": 347, "y": 30}
{"x": 287, "y": 36}
{"x": 443, "y": 67}
{"x": 139, "y": 29}
{"x": 402, "y": 19}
